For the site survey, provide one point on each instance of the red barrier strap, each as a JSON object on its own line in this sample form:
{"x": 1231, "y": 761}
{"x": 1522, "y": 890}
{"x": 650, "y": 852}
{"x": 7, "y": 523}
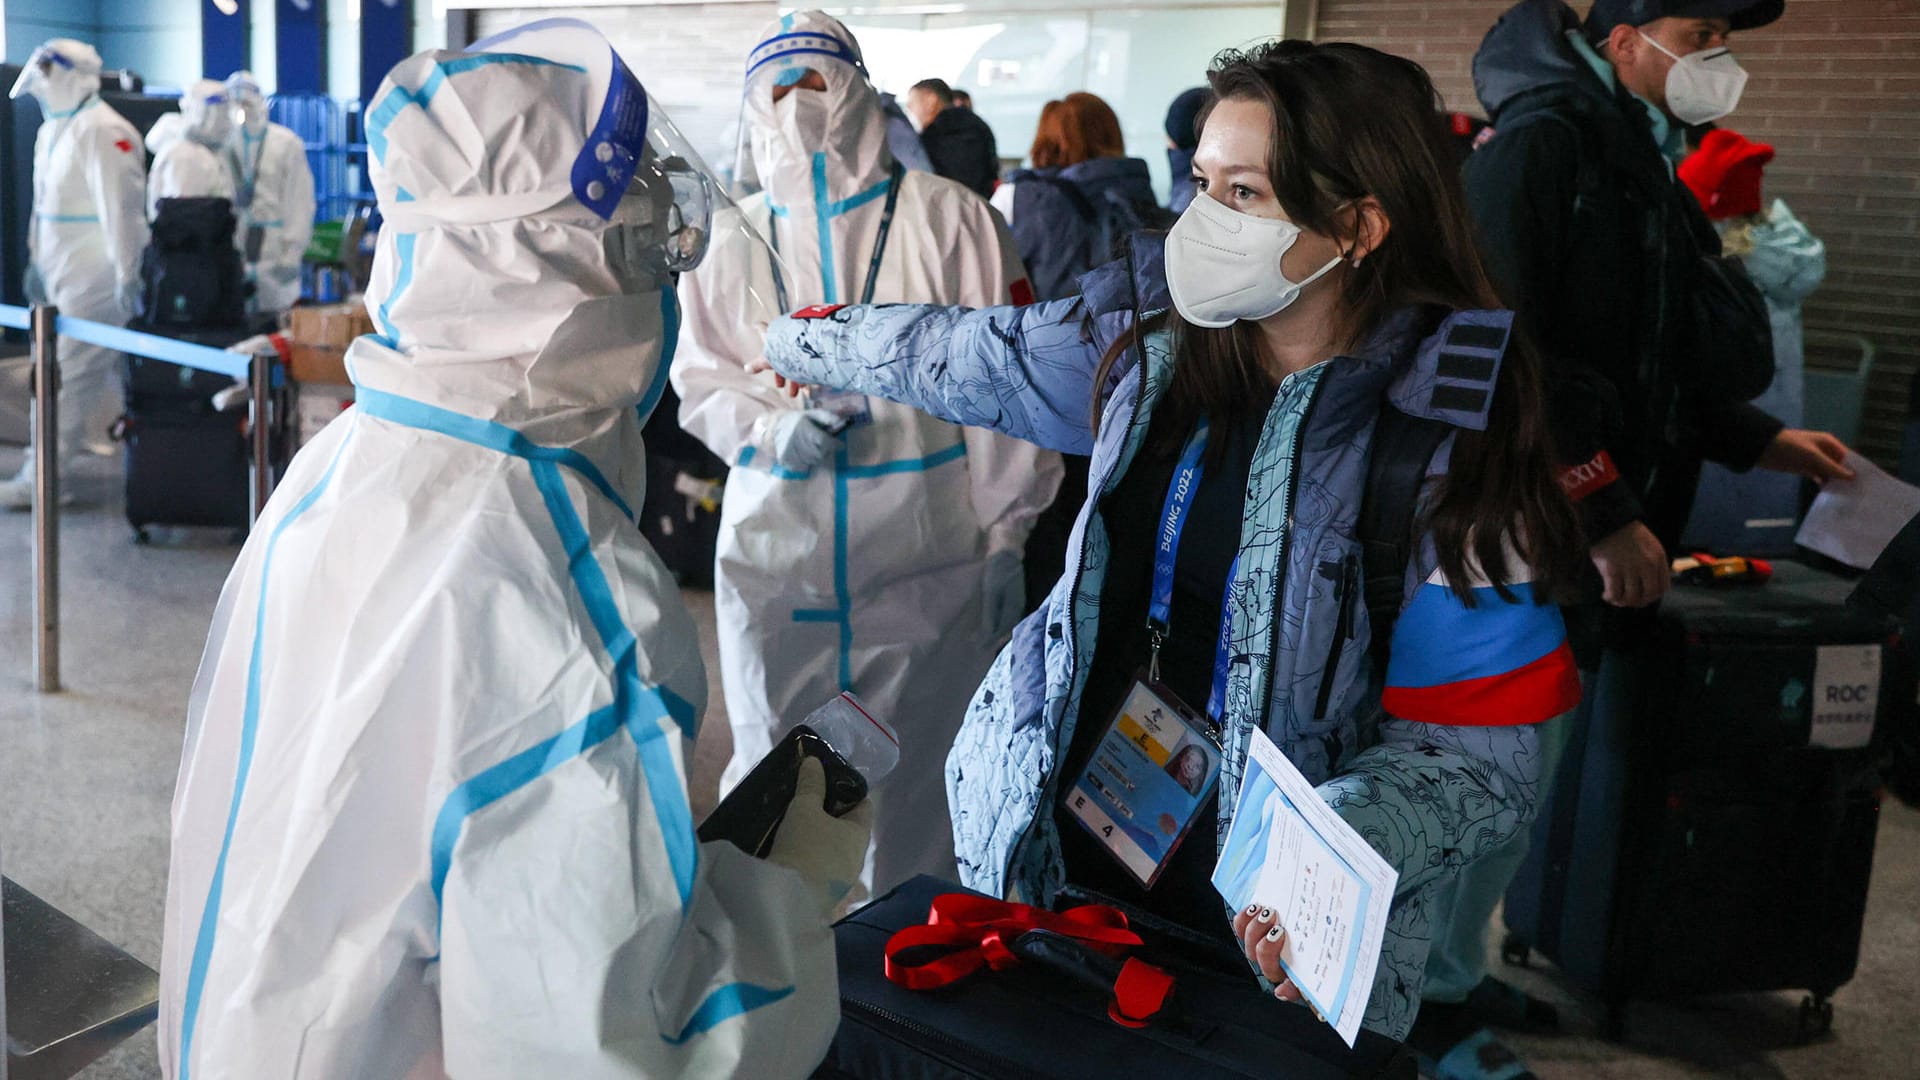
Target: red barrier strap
{"x": 980, "y": 930}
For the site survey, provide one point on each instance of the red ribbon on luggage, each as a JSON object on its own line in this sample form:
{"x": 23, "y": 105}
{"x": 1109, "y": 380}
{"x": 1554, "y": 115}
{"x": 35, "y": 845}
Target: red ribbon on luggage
{"x": 979, "y": 930}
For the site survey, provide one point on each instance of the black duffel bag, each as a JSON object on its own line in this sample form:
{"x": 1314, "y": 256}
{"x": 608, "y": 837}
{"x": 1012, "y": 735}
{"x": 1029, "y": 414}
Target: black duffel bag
{"x": 191, "y": 275}
{"x": 1050, "y": 1015}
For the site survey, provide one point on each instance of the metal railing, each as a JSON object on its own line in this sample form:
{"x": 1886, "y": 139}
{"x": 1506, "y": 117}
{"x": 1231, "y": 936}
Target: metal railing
{"x": 46, "y": 326}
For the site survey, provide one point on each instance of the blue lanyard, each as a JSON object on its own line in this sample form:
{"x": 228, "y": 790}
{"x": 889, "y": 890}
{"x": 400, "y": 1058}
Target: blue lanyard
{"x": 1181, "y": 491}
{"x": 873, "y": 265}
{"x": 1166, "y": 548}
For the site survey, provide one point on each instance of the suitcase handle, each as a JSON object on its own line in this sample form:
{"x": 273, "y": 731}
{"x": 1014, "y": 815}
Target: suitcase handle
{"x": 1087, "y": 943}
{"x": 1136, "y": 990}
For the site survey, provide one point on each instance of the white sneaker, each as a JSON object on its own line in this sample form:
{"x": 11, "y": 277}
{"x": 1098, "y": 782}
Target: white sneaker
{"x": 17, "y": 495}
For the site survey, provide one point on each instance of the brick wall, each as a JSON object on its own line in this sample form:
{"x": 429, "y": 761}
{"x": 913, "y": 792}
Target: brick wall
{"x": 1836, "y": 89}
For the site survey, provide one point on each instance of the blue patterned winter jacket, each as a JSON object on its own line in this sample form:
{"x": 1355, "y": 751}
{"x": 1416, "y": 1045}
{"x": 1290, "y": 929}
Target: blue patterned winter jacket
{"x": 1429, "y": 796}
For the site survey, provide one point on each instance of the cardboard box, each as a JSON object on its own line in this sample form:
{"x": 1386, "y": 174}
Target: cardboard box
{"x": 315, "y": 407}
{"x": 318, "y": 364}
{"x": 329, "y": 326}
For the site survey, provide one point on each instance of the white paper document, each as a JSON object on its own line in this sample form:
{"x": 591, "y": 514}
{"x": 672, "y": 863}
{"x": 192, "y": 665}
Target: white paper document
{"x": 1287, "y": 850}
{"x": 1854, "y": 520}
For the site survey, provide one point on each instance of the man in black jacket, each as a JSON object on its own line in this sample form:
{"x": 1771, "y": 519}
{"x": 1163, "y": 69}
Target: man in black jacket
{"x": 1598, "y": 247}
{"x": 960, "y": 144}
{"x": 1601, "y": 252}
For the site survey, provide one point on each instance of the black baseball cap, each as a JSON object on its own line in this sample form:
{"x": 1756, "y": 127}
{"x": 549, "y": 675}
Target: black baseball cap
{"x": 1743, "y": 14}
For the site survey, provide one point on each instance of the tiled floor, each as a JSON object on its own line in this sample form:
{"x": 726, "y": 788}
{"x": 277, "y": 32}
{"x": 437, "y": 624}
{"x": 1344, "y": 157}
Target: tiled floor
{"x": 86, "y": 776}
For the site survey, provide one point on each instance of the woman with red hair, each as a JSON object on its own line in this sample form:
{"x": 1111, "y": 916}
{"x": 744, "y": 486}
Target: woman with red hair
{"x": 1081, "y": 197}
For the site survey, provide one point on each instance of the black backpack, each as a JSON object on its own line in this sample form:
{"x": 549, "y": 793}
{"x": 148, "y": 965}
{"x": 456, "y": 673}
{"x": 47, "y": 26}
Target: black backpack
{"x": 1403, "y": 447}
{"x": 1724, "y": 341}
{"x": 1106, "y": 224}
{"x": 191, "y": 275}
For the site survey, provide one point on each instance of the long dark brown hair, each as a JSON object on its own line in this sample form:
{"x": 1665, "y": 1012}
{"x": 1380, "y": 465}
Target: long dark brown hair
{"x": 1352, "y": 122}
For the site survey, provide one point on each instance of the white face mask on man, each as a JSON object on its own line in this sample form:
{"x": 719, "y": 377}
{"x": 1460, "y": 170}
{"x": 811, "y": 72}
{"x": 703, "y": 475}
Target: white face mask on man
{"x": 1702, "y": 86}
{"x": 1224, "y": 266}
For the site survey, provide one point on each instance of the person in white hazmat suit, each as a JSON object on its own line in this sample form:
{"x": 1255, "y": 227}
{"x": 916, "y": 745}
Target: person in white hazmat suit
{"x": 432, "y": 815}
{"x": 273, "y": 194}
{"x": 885, "y": 558}
{"x": 83, "y": 246}
{"x": 189, "y": 154}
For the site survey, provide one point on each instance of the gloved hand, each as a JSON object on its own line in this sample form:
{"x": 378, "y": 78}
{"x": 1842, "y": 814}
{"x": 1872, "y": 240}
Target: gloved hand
{"x": 128, "y": 294}
{"x": 827, "y": 851}
{"x": 801, "y": 439}
{"x": 1005, "y": 592}
{"x": 34, "y": 286}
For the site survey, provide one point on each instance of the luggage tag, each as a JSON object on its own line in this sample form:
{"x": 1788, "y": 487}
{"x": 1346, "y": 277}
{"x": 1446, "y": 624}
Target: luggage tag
{"x": 1151, "y": 775}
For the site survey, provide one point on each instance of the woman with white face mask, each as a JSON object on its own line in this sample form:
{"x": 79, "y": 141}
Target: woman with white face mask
{"x": 1326, "y": 298}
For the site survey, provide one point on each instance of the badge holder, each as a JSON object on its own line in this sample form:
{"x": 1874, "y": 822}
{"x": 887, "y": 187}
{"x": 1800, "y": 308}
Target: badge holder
{"x": 853, "y": 409}
{"x": 1150, "y": 777}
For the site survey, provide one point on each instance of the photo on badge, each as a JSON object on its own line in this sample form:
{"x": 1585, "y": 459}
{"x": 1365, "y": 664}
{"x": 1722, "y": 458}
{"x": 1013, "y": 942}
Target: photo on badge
{"x": 1151, "y": 775}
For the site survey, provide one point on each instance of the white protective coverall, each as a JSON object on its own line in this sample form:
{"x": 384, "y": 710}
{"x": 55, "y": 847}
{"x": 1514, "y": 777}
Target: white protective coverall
{"x": 89, "y": 227}
{"x": 867, "y": 570}
{"x": 273, "y": 193}
{"x": 189, "y": 148}
{"x": 432, "y": 815}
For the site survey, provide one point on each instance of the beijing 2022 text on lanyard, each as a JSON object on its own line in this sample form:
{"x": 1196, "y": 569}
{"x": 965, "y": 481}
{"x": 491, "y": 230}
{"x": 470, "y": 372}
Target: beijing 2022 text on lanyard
{"x": 1157, "y": 764}
{"x": 851, "y": 407}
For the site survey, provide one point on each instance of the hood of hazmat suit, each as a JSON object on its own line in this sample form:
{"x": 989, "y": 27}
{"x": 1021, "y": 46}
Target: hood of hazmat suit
{"x": 273, "y": 193}
{"x": 167, "y": 130}
{"x": 88, "y": 229}
{"x": 432, "y": 816}
{"x": 189, "y": 152}
{"x": 861, "y": 562}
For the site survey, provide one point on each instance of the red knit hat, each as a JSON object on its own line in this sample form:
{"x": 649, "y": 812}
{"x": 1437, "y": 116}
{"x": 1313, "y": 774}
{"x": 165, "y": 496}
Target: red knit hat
{"x": 1724, "y": 174}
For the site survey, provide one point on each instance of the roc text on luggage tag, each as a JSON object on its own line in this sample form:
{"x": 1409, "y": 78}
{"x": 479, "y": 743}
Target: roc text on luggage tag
{"x": 1846, "y": 696}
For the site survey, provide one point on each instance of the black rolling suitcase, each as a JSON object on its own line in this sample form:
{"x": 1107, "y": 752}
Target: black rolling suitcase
{"x": 685, "y": 485}
{"x": 1032, "y": 1022}
{"x": 187, "y": 463}
{"x": 1712, "y": 826}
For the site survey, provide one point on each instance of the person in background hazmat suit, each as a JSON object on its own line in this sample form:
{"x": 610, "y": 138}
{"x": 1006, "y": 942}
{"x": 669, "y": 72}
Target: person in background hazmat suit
{"x": 83, "y": 247}
{"x": 189, "y": 158}
{"x": 274, "y": 194}
{"x": 864, "y": 545}
{"x": 432, "y": 815}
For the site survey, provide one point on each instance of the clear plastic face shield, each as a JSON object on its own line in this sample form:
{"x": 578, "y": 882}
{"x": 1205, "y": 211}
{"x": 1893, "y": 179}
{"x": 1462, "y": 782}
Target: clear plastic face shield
{"x": 795, "y": 62}
{"x": 664, "y": 210}
{"x": 247, "y": 105}
{"x": 209, "y": 117}
{"x": 36, "y": 78}
{"x": 664, "y": 222}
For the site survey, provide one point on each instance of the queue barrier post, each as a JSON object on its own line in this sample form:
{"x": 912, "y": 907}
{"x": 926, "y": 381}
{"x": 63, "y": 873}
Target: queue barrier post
{"x": 46, "y": 498}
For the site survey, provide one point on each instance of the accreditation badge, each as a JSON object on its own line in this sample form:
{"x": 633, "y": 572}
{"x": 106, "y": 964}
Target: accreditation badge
{"x": 1148, "y": 780}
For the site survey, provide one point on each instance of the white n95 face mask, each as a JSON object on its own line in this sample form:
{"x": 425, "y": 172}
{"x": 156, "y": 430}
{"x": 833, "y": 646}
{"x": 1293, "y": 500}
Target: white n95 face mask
{"x": 1224, "y": 266}
{"x": 1702, "y": 86}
